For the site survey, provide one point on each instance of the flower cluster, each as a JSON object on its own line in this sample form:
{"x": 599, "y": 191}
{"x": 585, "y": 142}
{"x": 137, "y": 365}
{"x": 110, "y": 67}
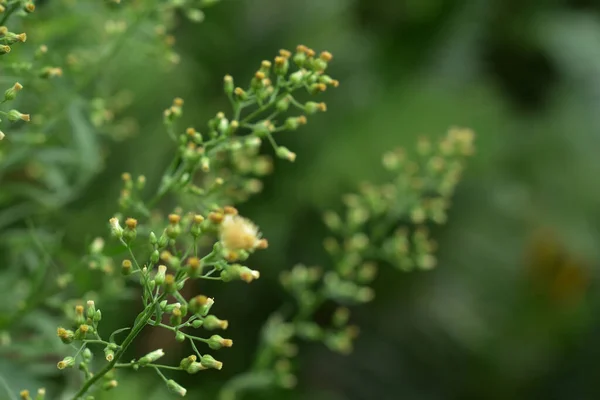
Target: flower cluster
{"x": 173, "y": 258}
{"x": 381, "y": 224}
{"x": 222, "y": 164}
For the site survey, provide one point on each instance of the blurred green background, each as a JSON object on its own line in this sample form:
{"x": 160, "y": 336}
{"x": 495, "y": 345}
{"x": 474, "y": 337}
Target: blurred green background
{"x": 510, "y": 311}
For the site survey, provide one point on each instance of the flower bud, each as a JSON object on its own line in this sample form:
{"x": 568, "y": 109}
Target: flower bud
{"x": 281, "y": 65}
{"x": 14, "y": 115}
{"x": 200, "y": 305}
{"x": 228, "y": 84}
{"x": 194, "y": 267}
{"x": 186, "y": 362}
{"x": 297, "y": 77}
{"x": 130, "y": 232}
{"x": 159, "y": 278}
{"x": 110, "y": 384}
{"x": 109, "y": 354}
{"x": 24, "y": 394}
{"x": 292, "y": 123}
{"x": 41, "y": 394}
{"x": 180, "y": 337}
{"x": 312, "y": 107}
{"x": 67, "y": 362}
{"x": 115, "y": 228}
{"x": 209, "y": 362}
{"x": 195, "y": 367}
{"x": 151, "y": 357}
{"x": 211, "y": 322}
{"x": 65, "y": 335}
{"x": 126, "y": 267}
{"x": 216, "y": 342}
{"x": 176, "y": 316}
{"x": 176, "y": 388}
{"x": 152, "y": 238}
{"x": 11, "y": 93}
{"x": 285, "y": 153}
{"x": 197, "y": 323}
{"x": 169, "y": 284}
{"x": 87, "y": 355}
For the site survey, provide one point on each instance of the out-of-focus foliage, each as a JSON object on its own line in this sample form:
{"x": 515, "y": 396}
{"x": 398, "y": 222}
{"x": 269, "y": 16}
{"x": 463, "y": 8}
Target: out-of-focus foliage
{"x": 509, "y": 311}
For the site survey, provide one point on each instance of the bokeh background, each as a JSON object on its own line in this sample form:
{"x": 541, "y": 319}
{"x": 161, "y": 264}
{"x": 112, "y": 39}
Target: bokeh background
{"x": 511, "y": 309}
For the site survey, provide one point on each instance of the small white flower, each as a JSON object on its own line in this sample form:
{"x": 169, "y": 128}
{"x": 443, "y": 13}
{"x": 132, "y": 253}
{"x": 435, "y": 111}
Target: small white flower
{"x": 239, "y": 233}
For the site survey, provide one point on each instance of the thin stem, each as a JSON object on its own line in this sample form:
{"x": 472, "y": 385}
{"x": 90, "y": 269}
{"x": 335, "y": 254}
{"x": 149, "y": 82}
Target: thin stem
{"x": 195, "y": 348}
{"x": 9, "y": 13}
{"x": 144, "y": 316}
{"x": 161, "y": 374}
{"x": 96, "y": 342}
{"x": 185, "y": 334}
{"x": 131, "y": 365}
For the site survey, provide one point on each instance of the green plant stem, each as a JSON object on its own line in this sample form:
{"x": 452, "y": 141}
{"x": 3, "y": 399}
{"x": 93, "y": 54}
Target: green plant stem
{"x": 130, "y": 365}
{"x": 8, "y": 13}
{"x": 96, "y": 342}
{"x": 185, "y": 334}
{"x": 137, "y": 328}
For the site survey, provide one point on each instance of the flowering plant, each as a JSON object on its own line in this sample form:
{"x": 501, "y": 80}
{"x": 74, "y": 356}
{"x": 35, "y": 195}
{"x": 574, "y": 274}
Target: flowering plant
{"x": 161, "y": 250}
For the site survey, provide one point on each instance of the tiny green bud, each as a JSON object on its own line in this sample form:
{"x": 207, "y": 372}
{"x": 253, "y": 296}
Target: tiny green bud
{"x": 228, "y": 84}
{"x": 176, "y": 388}
{"x": 195, "y": 367}
{"x": 186, "y": 362}
{"x": 67, "y": 362}
{"x": 169, "y": 284}
{"x": 126, "y": 267}
{"x": 159, "y": 278}
{"x": 179, "y": 336}
{"x": 65, "y": 335}
{"x": 155, "y": 256}
{"x": 211, "y": 322}
{"x": 87, "y": 355}
{"x": 283, "y": 104}
{"x": 176, "y": 317}
{"x": 151, "y": 357}
{"x": 200, "y": 305}
{"x": 216, "y": 342}
{"x": 11, "y": 93}
{"x": 197, "y": 323}
{"x": 110, "y": 385}
{"x": 14, "y": 115}
{"x": 292, "y": 123}
{"x": 163, "y": 240}
{"x": 41, "y": 394}
{"x": 91, "y": 309}
{"x": 153, "y": 239}
{"x": 115, "y": 228}
{"x": 285, "y": 153}
{"x": 109, "y": 354}
{"x": 208, "y": 361}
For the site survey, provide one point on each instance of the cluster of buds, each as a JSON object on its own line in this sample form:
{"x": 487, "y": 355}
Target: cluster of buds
{"x": 7, "y": 38}
{"x": 229, "y": 148}
{"x": 372, "y": 229}
{"x": 13, "y": 115}
{"x": 162, "y": 278}
{"x": 130, "y": 198}
{"x": 40, "y": 395}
